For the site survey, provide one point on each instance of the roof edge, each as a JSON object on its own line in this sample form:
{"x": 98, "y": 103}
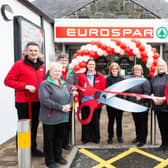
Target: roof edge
{"x": 146, "y": 9}
{"x": 35, "y": 9}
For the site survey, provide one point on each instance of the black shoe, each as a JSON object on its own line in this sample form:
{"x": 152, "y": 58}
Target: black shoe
{"x": 37, "y": 153}
{"x": 120, "y": 140}
{"x": 85, "y": 141}
{"x": 61, "y": 161}
{"x": 161, "y": 148}
{"x": 140, "y": 144}
{"x": 67, "y": 147}
{"x": 53, "y": 165}
{"x": 110, "y": 141}
{"x": 96, "y": 141}
{"x": 134, "y": 141}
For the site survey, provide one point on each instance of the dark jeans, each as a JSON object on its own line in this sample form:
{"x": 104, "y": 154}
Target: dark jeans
{"x": 114, "y": 114}
{"x": 141, "y": 126}
{"x": 22, "y": 110}
{"x": 163, "y": 126}
{"x": 53, "y": 136}
{"x": 91, "y": 131}
{"x": 68, "y": 130}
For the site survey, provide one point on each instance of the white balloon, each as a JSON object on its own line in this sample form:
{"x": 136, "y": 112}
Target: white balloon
{"x": 132, "y": 45}
{"x": 79, "y": 58}
{"x": 136, "y": 51}
{"x": 105, "y": 53}
{"x": 150, "y": 53}
{"x": 71, "y": 65}
{"x": 148, "y": 47}
{"x": 85, "y": 58}
{"x": 75, "y": 61}
{"x": 112, "y": 44}
{"x": 100, "y": 52}
{"x": 149, "y": 62}
{"x": 83, "y": 47}
{"x": 122, "y": 52}
{"x": 117, "y": 49}
{"x": 94, "y": 47}
{"x": 138, "y": 55}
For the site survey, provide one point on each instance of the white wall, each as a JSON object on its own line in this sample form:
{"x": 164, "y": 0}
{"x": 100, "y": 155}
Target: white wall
{"x": 8, "y": 114}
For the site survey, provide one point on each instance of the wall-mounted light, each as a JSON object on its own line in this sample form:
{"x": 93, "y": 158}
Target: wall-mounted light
{"x": 7, "y": 12}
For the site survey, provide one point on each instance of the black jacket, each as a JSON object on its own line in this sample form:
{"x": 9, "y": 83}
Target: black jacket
{"x": 158, "y": 84}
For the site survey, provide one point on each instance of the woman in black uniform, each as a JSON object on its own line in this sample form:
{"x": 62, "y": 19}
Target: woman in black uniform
{"x": 113, "y": 113}
{"x": 158, "y": 84}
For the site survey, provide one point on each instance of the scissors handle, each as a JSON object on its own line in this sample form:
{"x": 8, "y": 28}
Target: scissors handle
{"x": 92, "y": 104}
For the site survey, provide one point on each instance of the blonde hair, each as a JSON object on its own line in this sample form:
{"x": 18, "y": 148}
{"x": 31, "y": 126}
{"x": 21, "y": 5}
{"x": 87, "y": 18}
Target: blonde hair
{"x": 163, "y": 62}
{"x": 54, "y": 65}
{"x": 114, "y": 64}
{"x": 138, "y": 66}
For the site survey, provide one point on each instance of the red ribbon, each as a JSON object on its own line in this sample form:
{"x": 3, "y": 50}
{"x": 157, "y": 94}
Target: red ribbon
{"x": 93, "y": 103}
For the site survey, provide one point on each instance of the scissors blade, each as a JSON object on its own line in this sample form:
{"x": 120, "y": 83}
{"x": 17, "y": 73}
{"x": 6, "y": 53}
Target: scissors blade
{"x": 121, "y": 87}
{"x": 125, "y": 105}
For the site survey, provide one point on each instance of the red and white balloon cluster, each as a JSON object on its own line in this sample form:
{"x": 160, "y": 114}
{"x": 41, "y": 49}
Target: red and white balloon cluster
{"x": 132, "y": 47}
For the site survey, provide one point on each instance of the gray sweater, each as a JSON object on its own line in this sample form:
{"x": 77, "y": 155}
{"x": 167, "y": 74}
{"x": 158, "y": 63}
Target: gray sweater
{"x": 52, "y": 98}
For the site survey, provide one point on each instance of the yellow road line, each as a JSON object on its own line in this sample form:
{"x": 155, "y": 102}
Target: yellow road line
{"x": 107, "y": 163}
{"x": 96, "y": 158}
{"x": 162, "y": 164}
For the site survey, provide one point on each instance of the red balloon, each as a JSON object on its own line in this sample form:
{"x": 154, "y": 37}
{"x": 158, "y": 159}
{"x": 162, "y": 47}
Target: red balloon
{"x": 152, "y": 69}
{"x": 75, "y": 56}
{"x": 79, "y": 52}
{"x": 93, "y": 42}
{"x": 141, "y": 48}
{"x": 103, "y": 47}
{"x": 82, "y": 64}
{"x": 117, "y": 41}
{"x": 98, "y": 43}
{"x": 156, "y": 56}
{"x": 91, "y": 53}
{"x": 123, "y": 46}
{"x": 76, "y": 68}
{"x": 144, "y": 54}
{"x": 151, "y": 74}
{"x": 138, "y": 43}
{"x": 108, "y": 50}
{"x": 144, "y": 59}
{"x": 155, "y": 62}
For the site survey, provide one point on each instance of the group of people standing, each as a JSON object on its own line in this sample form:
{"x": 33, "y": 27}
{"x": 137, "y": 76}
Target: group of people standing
{"x": 51, "y": 97}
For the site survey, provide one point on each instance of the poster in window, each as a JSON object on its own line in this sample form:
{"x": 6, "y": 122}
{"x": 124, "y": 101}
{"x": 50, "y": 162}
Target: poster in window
{"x": 25, "y": 31}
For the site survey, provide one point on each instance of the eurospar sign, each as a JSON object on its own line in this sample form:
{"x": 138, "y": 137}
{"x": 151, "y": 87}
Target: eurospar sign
{"x": 85, "y": 30}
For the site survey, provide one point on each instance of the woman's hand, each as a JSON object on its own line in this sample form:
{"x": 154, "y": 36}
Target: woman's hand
{"x": 66, "y": 108}
{"x": 158, "y": 101}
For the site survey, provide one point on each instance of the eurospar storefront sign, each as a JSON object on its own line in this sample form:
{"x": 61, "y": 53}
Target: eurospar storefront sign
{"x": 85, "y": 30}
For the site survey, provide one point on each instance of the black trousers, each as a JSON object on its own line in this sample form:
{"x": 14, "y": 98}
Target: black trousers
{"x": 91, "y": 131}
{"x": 53, "y": 136}
{"x": 163, "y": 126}
{"x": 68, "y": 130}
{"x": 22, "y": 111}
{"x": 114, "y": 114}
{"x": 141, "y": 126}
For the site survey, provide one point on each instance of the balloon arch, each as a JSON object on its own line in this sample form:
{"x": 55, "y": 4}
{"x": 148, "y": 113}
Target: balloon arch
{"x": 132, "y": 47}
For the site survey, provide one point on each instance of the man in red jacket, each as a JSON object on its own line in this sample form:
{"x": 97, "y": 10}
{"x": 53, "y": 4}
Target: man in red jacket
{"x": 25, "y": 77}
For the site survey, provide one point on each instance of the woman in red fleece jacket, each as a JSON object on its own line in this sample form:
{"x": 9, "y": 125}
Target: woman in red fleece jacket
{"x": 25, "y": 77}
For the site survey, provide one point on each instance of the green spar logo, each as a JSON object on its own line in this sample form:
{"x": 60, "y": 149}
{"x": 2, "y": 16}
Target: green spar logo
{"x": 162, "y": 32}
